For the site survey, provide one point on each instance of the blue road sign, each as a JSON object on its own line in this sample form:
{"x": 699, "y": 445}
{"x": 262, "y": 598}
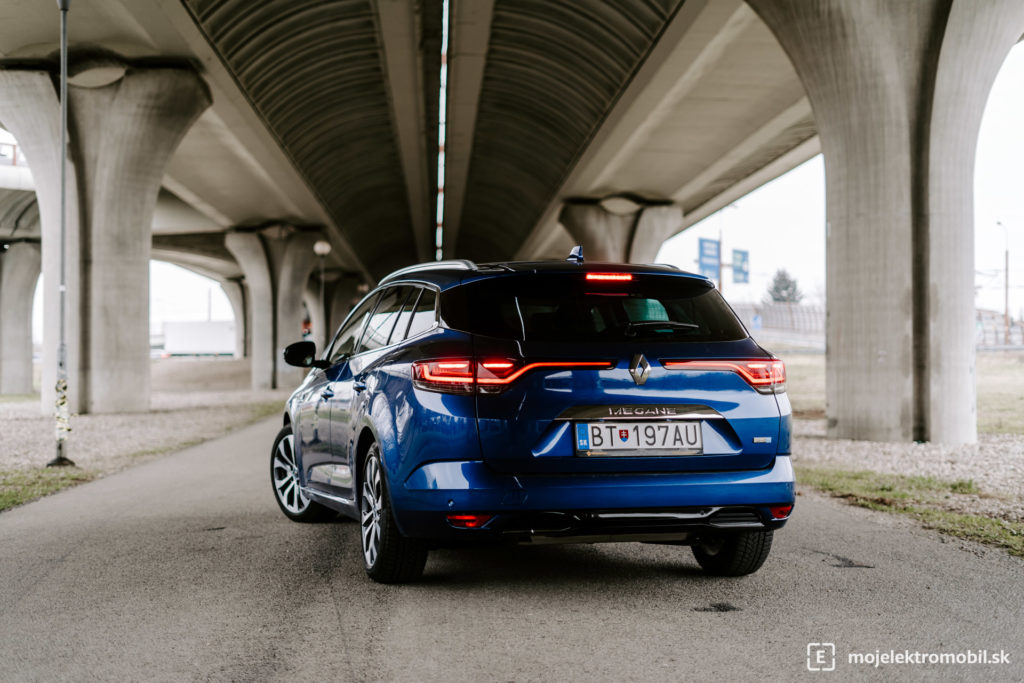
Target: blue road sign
{"x": 708, "y": 258}
{"x": 740, "y": 266}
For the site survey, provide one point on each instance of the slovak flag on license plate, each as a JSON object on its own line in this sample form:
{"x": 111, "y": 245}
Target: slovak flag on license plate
{"x": 624, "y": 435}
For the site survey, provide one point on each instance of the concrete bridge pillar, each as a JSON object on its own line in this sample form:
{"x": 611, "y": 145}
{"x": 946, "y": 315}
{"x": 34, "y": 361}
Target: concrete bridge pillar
{"x": 343, "y": 295}
{"x": 234, "y": 290}
{"x": 898, "y": 90}
{"x": 277, "y": 263}
{"x": 317, "y": 314}
{"x": 124, "y": 123}
{"x": 620, "y": 229}
{"x": 19, "y": 273}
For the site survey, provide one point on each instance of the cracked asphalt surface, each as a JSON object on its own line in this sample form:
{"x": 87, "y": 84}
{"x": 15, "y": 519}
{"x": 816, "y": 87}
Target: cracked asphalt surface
{"x": 184, "y": 569}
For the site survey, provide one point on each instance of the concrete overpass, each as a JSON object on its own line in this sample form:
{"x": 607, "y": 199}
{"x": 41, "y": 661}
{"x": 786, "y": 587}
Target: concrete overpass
{"x": 227, "y": 135}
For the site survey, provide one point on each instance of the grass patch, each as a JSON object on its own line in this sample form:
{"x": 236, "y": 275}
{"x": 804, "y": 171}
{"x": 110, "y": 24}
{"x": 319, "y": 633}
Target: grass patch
{"x": 18, "y": 487}
{"x": 169, "y": 448}
{"x": 923, "y": 498}
{"x": 999, "y": 378}
{"x": 18, "y": 398}
{"x": 266, "y": 409}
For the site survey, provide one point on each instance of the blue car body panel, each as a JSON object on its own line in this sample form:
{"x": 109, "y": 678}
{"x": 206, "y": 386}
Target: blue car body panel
{"x": 514, "y": 453}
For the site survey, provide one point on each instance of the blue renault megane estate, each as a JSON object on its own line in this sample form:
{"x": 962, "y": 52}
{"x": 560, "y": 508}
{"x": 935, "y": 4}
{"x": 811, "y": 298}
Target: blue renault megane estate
{"x": 538, "y": 403}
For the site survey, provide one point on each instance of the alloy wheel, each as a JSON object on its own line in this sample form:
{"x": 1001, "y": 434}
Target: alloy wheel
{"x": 286, "y": 477}
{"x": 370, "y": 507}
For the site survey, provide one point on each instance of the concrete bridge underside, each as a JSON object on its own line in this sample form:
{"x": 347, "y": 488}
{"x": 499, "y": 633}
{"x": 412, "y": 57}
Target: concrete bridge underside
{"x": 280, "y": 121}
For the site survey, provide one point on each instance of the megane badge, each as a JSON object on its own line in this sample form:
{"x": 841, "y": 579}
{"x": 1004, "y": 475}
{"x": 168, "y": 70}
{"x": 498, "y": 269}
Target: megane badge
{"x": 639, "y": 368}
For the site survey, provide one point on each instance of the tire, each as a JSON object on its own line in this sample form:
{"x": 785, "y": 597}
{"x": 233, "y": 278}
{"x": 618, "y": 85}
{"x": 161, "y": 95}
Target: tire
{"x": 388, "y": 556}
{"x": 735, "y": 554}
{"x": 284, "y": 479}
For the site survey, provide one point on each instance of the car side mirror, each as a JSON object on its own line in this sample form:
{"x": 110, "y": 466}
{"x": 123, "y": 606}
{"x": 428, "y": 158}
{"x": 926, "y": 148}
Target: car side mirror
{"x": 303, "y": 355}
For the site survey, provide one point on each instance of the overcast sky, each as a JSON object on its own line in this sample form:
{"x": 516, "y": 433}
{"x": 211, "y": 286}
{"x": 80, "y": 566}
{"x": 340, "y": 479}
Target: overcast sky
{"x": 782, "y": 225}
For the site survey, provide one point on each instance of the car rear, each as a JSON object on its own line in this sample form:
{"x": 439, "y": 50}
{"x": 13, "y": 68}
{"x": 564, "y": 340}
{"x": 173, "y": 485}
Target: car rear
{"x": 612, "y": 402}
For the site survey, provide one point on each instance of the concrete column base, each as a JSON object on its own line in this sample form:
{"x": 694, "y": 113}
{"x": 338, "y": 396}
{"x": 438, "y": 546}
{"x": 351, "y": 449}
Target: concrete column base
{"x": 235, "y": 292}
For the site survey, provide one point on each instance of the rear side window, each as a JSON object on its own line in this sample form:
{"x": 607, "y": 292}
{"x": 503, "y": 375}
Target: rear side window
{"x": 404, "y": 316}
{"x": 424, "y": 316}
{"x": 566, "y": 308}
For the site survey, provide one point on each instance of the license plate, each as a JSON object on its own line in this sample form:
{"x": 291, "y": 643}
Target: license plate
{"x": 638, "y": 438}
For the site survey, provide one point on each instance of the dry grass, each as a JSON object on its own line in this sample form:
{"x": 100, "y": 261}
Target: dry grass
{"x": 942, "y": 505}
{"x": 1000, "y": 389}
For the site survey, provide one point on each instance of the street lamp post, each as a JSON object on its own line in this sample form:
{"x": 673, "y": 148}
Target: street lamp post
{"x": 62, "y": 413}
{"x": 322, "y": 248}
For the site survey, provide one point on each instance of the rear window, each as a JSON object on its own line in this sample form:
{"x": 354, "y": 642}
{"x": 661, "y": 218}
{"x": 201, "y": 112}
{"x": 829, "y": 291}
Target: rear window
{"x": 566, "y": 308}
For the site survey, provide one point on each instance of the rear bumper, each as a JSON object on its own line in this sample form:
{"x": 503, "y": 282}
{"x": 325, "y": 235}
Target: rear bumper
{"x": 588, "y": 507}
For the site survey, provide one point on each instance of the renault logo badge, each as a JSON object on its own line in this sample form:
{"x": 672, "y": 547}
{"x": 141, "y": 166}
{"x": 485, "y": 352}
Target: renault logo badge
{"x": 639, "y": 368}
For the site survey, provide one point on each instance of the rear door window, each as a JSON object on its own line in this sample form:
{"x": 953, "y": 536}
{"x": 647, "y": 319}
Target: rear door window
{"x": 345, "y": 341}
{"x": 565, "y": 307}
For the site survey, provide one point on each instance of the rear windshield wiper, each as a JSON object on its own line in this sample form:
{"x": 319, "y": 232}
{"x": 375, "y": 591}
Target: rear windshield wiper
{"x": 631, "y": 328}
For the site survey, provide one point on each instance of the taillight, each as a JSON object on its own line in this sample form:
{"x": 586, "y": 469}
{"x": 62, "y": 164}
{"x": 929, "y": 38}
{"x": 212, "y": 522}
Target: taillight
{"x": 486, "y": 376}
{"x": 780, "y": 511}
{"x": 452, "y": 376}
{"x": 767, "y": 376}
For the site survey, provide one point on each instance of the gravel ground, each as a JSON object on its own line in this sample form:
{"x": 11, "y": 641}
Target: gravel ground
{"x": 107, "y": 443}
{"x": 995, "y": 464}
{"x": 193, "y": 401}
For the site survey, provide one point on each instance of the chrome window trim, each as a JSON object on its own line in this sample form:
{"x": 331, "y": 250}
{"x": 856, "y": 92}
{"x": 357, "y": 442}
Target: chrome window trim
{"x": 452, "y": 264}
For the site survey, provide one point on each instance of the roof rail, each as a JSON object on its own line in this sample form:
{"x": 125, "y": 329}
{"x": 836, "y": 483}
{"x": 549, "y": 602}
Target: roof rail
{"x": 454, "y": 264}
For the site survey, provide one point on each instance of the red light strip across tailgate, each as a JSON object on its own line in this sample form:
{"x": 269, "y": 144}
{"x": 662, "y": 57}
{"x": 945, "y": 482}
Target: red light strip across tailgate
{"x": 503, "y": 365}
{"x": 755, "y": 372}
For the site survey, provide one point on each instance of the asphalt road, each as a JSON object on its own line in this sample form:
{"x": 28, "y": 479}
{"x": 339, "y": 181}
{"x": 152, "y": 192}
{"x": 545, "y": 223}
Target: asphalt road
{"x": 184, "y": 569}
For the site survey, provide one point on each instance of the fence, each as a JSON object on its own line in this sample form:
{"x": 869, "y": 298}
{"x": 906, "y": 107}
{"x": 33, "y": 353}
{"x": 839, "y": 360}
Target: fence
{"x": 805, "y": 325}
{"x": 990, "y": 329}
{"x": 782, "y": 316}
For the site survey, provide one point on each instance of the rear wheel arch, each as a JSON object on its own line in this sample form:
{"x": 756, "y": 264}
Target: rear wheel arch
{"x": 365, "y": 439}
